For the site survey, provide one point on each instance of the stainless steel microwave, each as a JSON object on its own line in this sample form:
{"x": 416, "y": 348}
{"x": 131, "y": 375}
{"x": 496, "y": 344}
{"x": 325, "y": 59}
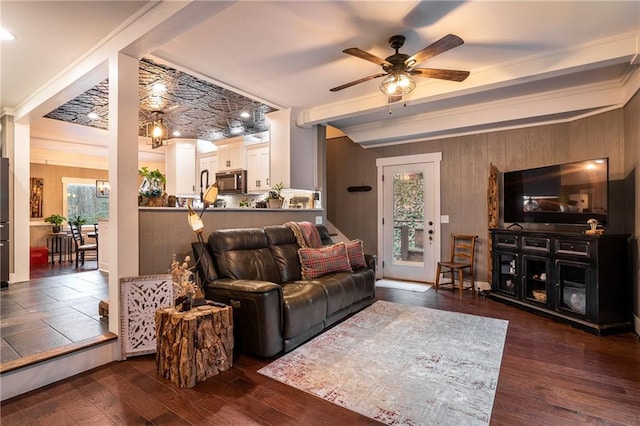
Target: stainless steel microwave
{"x": 232, "y": 182}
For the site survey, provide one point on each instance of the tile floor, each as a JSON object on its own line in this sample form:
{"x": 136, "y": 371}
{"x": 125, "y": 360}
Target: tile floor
{"x": 51, "y": 311}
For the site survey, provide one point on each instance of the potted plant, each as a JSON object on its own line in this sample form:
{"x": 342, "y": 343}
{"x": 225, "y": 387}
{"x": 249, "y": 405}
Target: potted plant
{"x": 275, "y": 197}
{"x": 152, "y": 187}
{"x": 78, "y": 221}
{"x": 56, "y": 220}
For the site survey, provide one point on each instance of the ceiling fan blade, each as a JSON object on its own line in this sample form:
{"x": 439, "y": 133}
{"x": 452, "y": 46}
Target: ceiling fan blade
{"x": 353, "y": 83}
{"x": 453, "y": 75}
{"x": 445, "y": 43}
{"x": 359, "y": 53}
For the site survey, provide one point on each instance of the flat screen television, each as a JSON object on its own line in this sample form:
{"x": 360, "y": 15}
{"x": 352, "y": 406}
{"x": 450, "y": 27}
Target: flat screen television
{"x": 569, "y": 193}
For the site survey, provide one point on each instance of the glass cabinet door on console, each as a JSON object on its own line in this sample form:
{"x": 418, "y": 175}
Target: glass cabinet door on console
{"x": 535, "y": 277}
{"x": 507, "y": 270}
{"x": 572, "y": 286}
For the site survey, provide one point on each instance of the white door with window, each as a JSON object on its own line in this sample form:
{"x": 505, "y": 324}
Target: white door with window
{"x": 409, "y": 216}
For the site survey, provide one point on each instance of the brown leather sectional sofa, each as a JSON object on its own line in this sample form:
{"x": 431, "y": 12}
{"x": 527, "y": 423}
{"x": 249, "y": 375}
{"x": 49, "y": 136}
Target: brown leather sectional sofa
{"x": 257, "y": 271}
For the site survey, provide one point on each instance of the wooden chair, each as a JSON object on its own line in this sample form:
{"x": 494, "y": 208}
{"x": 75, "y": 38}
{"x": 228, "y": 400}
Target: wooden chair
{"x": 462, "y": 254}
{"x": 81, "y": 247}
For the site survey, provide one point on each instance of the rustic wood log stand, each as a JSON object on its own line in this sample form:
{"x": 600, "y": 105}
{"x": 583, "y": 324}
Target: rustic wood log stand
{"x": 195, "y": 345}
{"x": 493, "y": 213}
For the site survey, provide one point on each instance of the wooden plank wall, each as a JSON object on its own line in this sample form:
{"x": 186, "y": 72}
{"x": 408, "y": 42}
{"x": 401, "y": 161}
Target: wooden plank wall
{"x": 165, "y": 231}
{"x": 632, "y": 172}
{"x": 465, "y": 172}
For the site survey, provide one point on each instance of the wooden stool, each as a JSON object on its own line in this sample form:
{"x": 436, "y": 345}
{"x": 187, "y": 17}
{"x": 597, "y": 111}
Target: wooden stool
{"x": 103, "y": 308}
{"x": 194, "y": 345}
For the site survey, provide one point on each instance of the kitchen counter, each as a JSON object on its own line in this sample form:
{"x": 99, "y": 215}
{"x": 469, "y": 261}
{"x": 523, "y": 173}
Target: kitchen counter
{"x": 226, "y": 209}
{"x": 164, "y": 231}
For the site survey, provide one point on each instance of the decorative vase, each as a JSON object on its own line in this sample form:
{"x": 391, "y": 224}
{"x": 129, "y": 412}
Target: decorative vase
{"x": 158, "y": 201}
{"x": 275, "y": 203}
{"x": 56, "y": 229}
{"x": 186, "y": 303}
{"x": 152, "y": 193}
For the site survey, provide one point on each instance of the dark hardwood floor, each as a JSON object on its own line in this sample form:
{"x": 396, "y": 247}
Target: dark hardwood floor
{"x": 551, "y": 374}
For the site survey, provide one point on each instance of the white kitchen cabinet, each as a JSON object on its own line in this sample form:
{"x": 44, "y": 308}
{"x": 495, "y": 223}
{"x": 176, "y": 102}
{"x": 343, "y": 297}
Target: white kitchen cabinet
{"x": 231, "y": 154}
{"x": 294, "y": 152}
{"x": 181, "y": 167}
{"x": 258, "y": 167}
{"x": 209, "y": 162}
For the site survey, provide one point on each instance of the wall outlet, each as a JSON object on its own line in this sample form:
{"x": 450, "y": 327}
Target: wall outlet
{"x": 444, "y": 218}
{"x": 318, "y": 220}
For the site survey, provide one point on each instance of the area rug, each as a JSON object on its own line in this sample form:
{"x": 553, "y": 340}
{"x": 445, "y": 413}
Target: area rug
{"x": 403, "y": 285}
{"x": 402, "y": 365}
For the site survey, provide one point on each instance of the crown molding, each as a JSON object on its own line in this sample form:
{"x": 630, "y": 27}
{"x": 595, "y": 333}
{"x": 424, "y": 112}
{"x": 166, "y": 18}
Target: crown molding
{"x": 521, "y": 111}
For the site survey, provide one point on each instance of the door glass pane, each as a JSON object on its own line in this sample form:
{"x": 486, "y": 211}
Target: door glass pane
{"x": 573, "y": 287}
{"x": 507, "y": 270}
{"x": 408, "y": 217}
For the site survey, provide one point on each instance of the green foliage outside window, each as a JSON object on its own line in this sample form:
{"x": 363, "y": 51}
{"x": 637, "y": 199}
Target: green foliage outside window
{"x": 82, "y": 201}
{"x": 408, "y": 202}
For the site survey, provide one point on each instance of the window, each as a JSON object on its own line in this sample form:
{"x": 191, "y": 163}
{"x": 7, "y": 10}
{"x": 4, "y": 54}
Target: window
{"x": 80, "y": 200}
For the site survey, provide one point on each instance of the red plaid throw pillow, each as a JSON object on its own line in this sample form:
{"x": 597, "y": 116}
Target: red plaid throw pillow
{"x": 356, "y": 254}
{"x": 320, "y": 261}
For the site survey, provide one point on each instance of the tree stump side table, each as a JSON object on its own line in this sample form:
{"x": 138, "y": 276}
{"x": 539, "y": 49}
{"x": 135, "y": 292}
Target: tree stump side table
{"x": 195, "y": 345}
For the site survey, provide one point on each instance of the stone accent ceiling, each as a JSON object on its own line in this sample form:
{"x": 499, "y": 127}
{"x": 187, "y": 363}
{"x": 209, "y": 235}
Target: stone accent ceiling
{"x": 194, "y": 107}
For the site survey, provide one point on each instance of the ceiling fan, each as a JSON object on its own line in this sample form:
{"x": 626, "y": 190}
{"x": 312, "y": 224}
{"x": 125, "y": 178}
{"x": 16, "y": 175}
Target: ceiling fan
{"x": 399, "y": 68}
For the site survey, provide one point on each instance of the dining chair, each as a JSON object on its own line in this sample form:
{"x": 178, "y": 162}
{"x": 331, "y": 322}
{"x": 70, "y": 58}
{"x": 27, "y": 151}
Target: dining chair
{"x": 461, "y": 259}
{"x": 80, "y": 246}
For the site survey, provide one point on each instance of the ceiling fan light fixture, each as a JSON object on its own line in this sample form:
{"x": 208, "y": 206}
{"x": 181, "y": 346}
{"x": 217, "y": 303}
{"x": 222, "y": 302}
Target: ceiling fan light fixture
{"x": 397, "y": 84}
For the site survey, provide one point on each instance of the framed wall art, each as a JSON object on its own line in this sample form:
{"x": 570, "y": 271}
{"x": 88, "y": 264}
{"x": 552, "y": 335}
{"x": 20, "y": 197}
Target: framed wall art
{"x": 37, "y": 187}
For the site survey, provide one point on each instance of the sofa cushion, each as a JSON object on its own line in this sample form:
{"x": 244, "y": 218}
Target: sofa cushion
{"x": 363, "y": 283}
{"x": 243, "y": 254}
{"x": 356, "y": 254}
{"x": 339, "y": 288}
{"x": 284, "y": 248}
{"x": 304, "y": 307}
{"x": 321, "y": 261}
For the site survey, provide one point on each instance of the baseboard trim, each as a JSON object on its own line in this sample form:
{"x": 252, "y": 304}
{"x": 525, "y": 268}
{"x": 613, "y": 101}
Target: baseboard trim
{"x": 636, "y": 324}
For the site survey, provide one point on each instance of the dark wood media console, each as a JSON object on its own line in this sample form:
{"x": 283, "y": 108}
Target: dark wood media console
{"x": 583, "y": 280}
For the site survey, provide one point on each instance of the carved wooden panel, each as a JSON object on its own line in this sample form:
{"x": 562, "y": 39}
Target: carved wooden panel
{"x": 140, "y": 298}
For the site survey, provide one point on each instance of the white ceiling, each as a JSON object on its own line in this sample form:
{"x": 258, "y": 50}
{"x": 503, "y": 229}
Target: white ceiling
{"x": 530, "y": 61}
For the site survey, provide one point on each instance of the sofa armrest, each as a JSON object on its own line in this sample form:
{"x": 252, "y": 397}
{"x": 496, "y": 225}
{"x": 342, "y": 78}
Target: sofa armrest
{"x": 257, "y": 313}
{"x": 371, "y": 260}
{"x": 243, "y": 286}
